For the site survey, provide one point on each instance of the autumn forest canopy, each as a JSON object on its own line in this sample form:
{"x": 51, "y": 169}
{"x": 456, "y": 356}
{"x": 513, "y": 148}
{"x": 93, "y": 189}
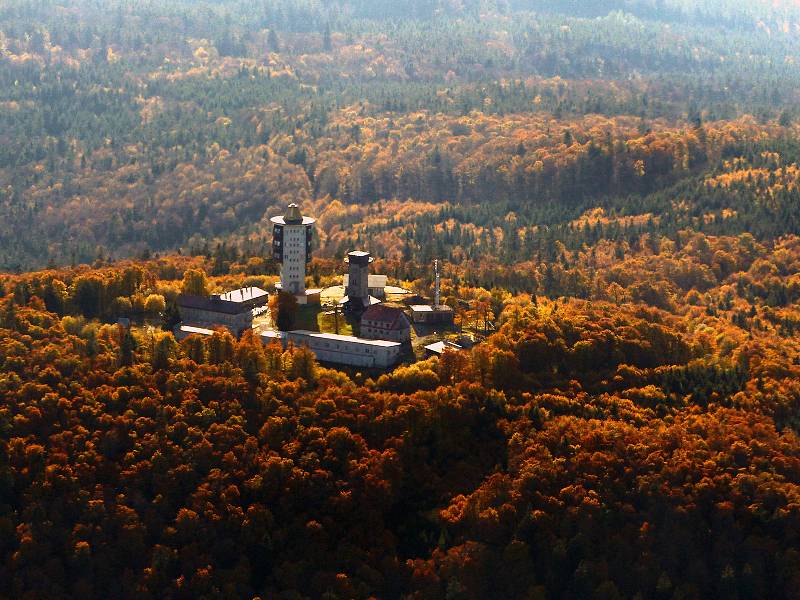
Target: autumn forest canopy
{"x": 613, "y": 189}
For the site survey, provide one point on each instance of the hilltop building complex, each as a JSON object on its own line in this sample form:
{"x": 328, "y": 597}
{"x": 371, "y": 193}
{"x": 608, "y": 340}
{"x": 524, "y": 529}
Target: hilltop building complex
{"x": 385, "y": 329}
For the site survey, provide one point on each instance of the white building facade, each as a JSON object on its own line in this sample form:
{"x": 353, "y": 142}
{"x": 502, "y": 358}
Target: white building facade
{"x": 291, "y": 247}
{"x": 342, "y": 349}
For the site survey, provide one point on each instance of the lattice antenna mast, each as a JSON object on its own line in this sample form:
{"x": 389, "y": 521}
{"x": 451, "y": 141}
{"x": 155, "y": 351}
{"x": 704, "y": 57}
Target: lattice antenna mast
{"x": 437, "y": 295}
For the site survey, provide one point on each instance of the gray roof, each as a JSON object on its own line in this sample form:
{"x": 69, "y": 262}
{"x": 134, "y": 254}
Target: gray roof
{"x": 440, "y": 347}
{"x": 244, "y": 294}
{"x": 273, "y": 335}
{"x": 364, "y": 301}
{"x": 231, "y": 303}
{"x": 419, "y": 308}
{"x": 192, "y": 329}
{"x": 343, "y": 338}
{"x": 389, "y": 317}
{"x": 373, "y": 281}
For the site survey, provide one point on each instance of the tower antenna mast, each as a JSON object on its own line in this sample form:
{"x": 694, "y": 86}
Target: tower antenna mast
{"x": 437, "y": 295}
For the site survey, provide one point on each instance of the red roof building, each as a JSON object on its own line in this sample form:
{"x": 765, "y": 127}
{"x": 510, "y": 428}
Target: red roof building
{"x": 382, "y": 322}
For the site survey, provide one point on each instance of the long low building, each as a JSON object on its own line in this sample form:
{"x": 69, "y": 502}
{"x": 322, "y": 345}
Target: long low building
{"x": 341, "y": 349}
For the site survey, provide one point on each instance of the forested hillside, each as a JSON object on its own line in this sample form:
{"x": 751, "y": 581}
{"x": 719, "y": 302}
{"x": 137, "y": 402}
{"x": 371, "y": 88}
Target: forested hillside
{"x": 640, "y": 443}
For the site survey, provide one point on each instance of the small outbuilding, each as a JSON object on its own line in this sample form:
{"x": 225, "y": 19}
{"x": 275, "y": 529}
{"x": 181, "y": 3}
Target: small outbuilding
{"x": 425, "y": 314}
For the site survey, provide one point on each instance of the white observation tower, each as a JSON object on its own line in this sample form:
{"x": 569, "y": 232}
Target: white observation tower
{"x": 291, "y": 247}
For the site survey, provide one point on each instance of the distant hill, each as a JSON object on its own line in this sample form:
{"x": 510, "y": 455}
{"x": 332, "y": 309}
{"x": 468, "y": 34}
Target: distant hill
{"x": 140, "y": 128}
